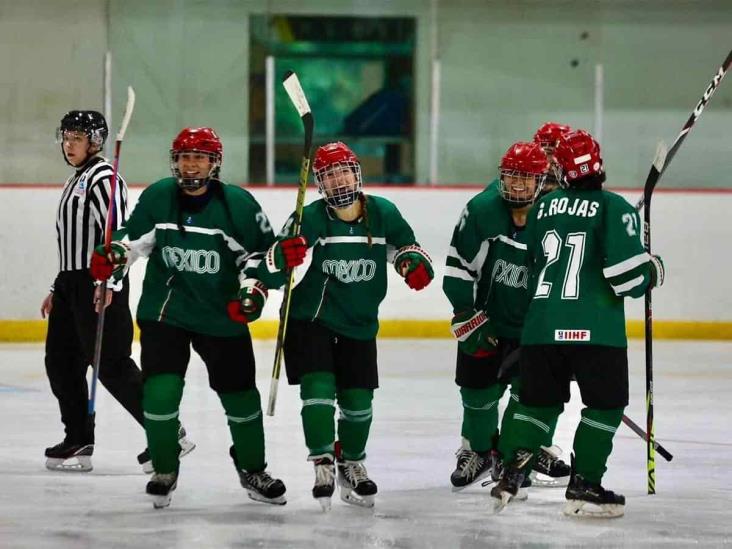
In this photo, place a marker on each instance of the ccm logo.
(571, 335)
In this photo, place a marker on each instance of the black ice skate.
(161, 487)
(512, 483)
(590, 499)
(548, 470)
(186, 447)
(324, 480)
(67, 456)
(260, 486)
(355, 485)
(471, 467)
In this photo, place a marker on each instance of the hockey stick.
(297, 96)
(638, 431)
(512, 359)
(656, 173)
(111, 212)
(660, 162)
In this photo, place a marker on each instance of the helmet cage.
(519, 199)
(339, 190)
(96, 137)
(194, 183)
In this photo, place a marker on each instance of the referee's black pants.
(70, 351)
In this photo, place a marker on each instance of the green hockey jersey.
(343, 279)
(486, 263)
(584, 255)
(197, 256)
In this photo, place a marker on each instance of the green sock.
(480, 415)
(593, 441)
(513, 400)
(526, 428)
(317, 391)
(161, 396)
(244, 415)
(354, 421)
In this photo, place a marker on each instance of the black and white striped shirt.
(82, 213)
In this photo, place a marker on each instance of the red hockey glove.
(286, 254)
(475, 333)
(413, 263)
(103, 265)
(249, 303)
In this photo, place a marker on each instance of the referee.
(72, 319)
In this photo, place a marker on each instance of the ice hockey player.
(585, 256)
(486, 282)
(548, 136)
(330, 347)
(203, 238)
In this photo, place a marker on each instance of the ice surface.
(411, 454)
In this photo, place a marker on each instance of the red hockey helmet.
(548, 135)
(200, 140)
(337, 173)
(522, 172)
(577, 156)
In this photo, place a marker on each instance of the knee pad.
(161, 393)
(242, 406)
(482, 399)
(355, 404)
(318, 385)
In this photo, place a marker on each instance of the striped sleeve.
(100, 190)
(465, 257)
(627, 266)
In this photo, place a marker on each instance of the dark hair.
(590, 183)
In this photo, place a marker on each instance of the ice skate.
(161, 487)
(512, 483)
(549, 471)
(70, 457)
(324, 480)
(186, 447)
(355, 486)
(590, 499)
(260, 486)
(471, 467)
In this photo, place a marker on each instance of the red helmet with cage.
(578, 156)
(548, 135)
(198, 140)
(522, 172)
(337, 172)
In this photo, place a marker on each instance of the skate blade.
(501, 502)
(541, 480)
(578, 508)
(325, 504)
(161, 502)
(76, 464)
(256, 496)
(348, 496)
(477, 479)
(186, 447)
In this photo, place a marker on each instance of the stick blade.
(128, 113)
(659, 160)
(294, 91)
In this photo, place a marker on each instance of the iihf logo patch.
(571, 335)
